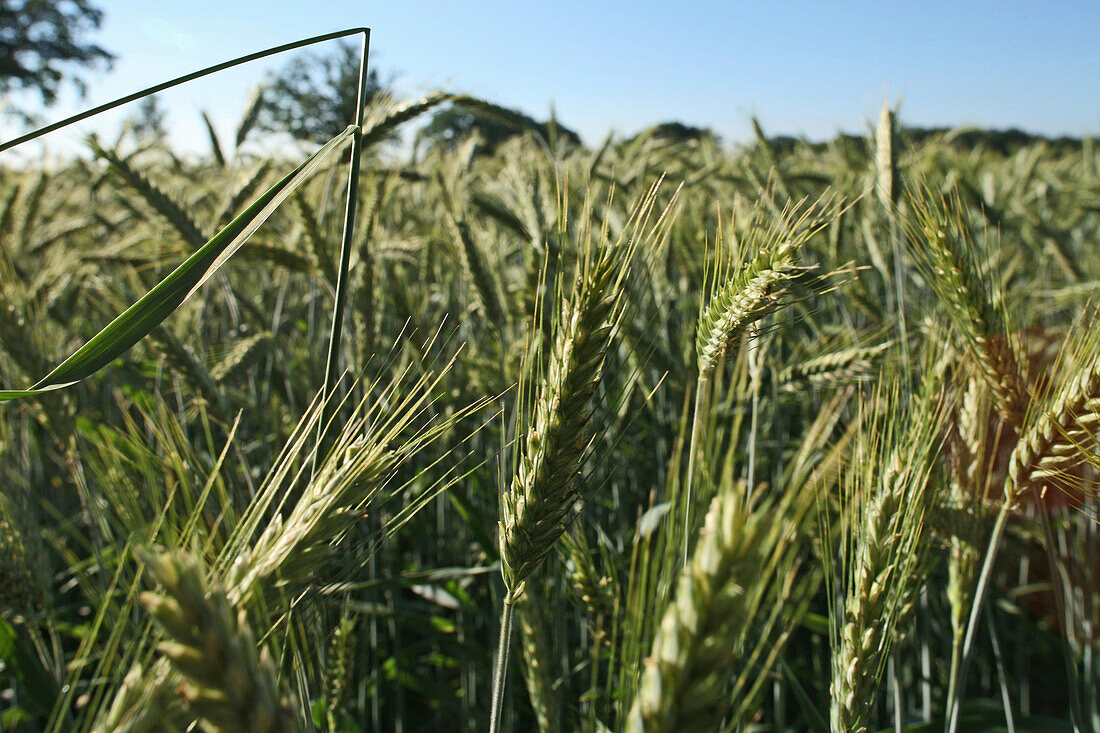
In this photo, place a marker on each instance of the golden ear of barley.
(1057, 440)
(886, 166)
(229, 682)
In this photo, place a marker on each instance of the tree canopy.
(313, 96)
(42, 40)
(466, 116)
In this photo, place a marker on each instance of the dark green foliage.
(313, 97)
(41, 40)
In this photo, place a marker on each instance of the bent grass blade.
(154, 307)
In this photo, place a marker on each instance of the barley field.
(657, 435)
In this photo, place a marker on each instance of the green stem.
(995, 537)
(956, 660)
(500, 673)
(702, 385)
(1002, 680)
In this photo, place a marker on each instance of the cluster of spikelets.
(728, 618)
(545, 488)
(885, 500)
(1058, 439)
(228, 682)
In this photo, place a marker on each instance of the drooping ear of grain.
(960, 276)
(1058, 440)
(762, 272)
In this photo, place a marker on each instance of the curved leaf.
(142, 317)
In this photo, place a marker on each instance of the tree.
(313, 97)
(676, 132)
(495, 125)
(40, 40)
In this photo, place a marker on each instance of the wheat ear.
(227, 683)
(950, 260)
(742, 289)
(881, 554)
(545, 488)
(1057, 440)
(732, 610)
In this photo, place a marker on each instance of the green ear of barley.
(881, 551)
(839, 367)
(145, 703)
(473, 262)
(949, 259)
(886, 165)
(209, 643)
(160, 202)
(241, 354)
(734, 605)
(215, 144)
(756, 289)
(537, 657)
(250, 117)
(339, 668)
(243, 192)
(544, 490)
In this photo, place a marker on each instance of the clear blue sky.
(807, 67)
